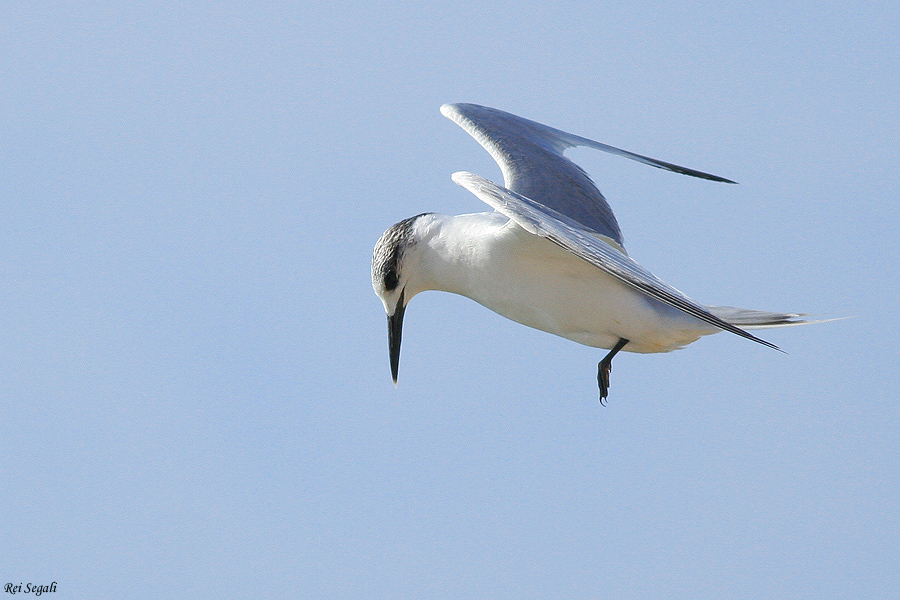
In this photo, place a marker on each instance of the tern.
(550, 255)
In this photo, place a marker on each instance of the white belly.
(536, 283)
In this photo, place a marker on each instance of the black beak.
(395, 330)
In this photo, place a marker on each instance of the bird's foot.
(603, 370)
(604, 367)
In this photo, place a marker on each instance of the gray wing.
(531, 158)
(540, 220)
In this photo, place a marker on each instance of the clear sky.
(196, 396)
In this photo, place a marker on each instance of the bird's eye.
(391, 281)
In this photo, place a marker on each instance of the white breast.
(534, 282)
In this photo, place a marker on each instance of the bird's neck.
(453, 250)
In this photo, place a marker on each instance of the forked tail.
(746, 318)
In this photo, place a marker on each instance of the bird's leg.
(605, 366)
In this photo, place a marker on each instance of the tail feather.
(746, 318)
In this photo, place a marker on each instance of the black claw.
(603, 370)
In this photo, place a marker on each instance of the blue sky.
(196, 397)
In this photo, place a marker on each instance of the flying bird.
(550, 255)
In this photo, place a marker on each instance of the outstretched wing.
(546, 222)
(531, 158)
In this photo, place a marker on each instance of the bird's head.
(394, 266)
